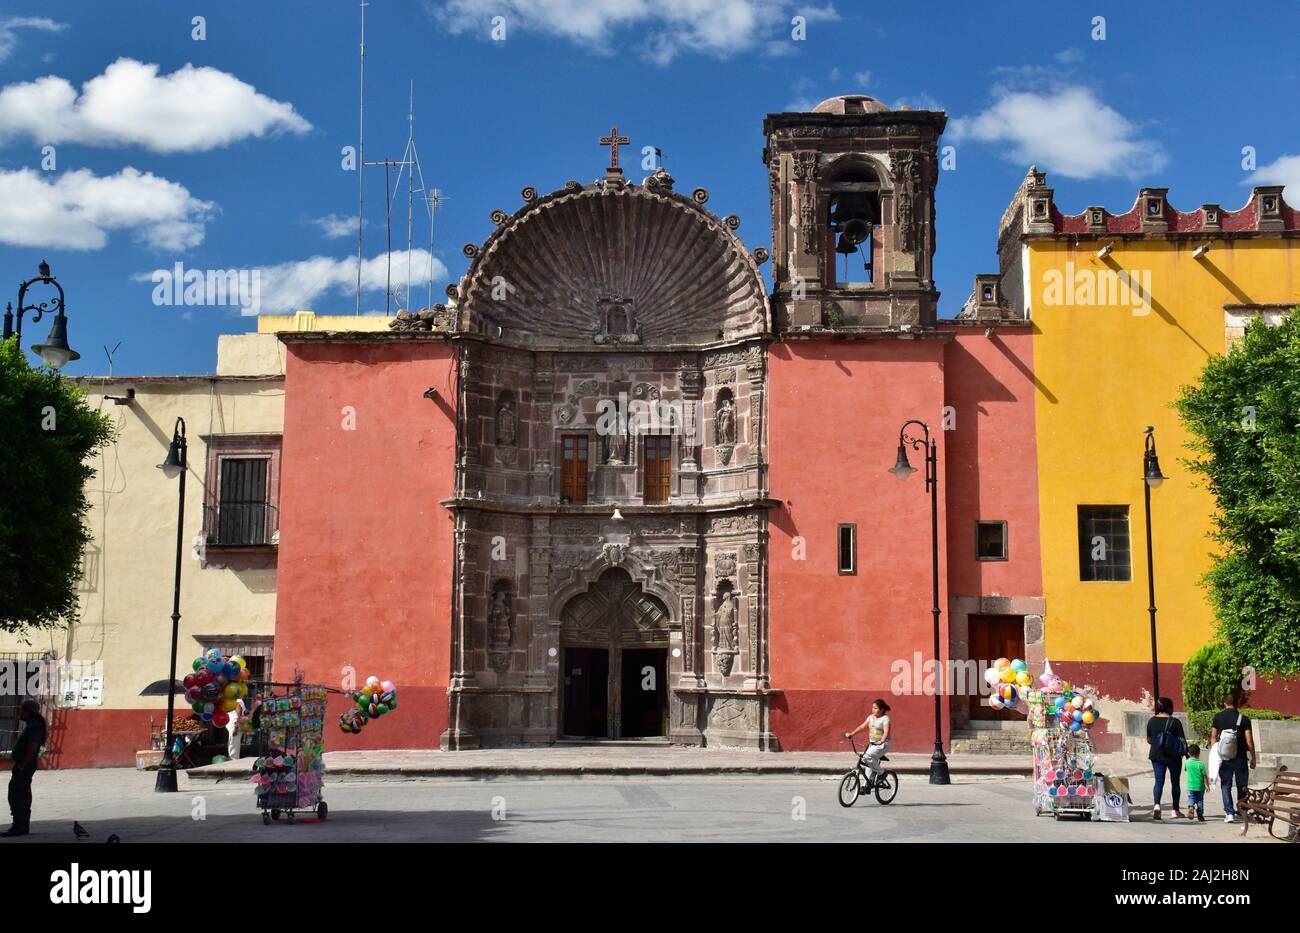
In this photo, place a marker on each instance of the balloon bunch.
(216, 686)
(372, 701)
(1010, 681)
(1074, 711)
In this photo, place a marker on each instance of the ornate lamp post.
(173, 465)
(55, 350)
(1151, 478)
(902, 469)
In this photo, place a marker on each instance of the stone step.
(989, 743)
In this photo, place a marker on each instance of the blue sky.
(234, 161)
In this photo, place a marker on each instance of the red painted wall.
(836, 407)
(95, 738)
(365, 561)
(992, 466)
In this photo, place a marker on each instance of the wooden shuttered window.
(573, 468)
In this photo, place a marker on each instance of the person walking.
(25, 753)
(1234, 743)
(234, 734)
(1195, 774)
(1168, 748)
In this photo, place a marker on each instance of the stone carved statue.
(507, 424)
(500, 628)
(724, 429)
(726, 632)
(616, 448)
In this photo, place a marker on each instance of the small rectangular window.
(848, 546)
(1104, 552)
(990, 540)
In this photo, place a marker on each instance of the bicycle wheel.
(887, 786)
(849, 789)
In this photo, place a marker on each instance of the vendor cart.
(1065, 783)
(289, 774)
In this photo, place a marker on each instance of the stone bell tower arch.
(853, 180)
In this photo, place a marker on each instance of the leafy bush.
(1241, 415)
(1209, 675)
(1201, 720)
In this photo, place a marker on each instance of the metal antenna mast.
(361, 155)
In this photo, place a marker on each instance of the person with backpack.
(1234, 744)
(1168, 749)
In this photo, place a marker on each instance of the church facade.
(618, 488)
(628, 493)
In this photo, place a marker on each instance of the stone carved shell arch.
(643, 573)
(683, 271)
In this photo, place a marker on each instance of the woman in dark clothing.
(1168, 749)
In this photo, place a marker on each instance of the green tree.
(47, 434)
(1244, 416)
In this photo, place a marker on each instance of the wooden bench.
(1279, 802)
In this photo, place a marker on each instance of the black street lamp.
(173, 465)
(55, 350)
(1151, 478)
(902, 469)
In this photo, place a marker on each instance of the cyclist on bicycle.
(880, 733)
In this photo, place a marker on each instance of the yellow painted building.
(1126, 309)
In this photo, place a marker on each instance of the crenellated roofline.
(1033, 213)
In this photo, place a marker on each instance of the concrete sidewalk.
(629, 761)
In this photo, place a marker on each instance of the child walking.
(1194, 771)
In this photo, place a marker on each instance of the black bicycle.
(859, 782)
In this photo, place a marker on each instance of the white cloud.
(334, 226)
(9, 41)
(1285, 170)
(78, 210)
(1069, 56)
(669, 28)
(863, 78)
(189, 110)
(1069, 130)
(293, 286)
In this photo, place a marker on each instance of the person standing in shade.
(25, 752)
(1168, 748)
(1234, 742)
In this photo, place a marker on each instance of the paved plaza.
(600, 808)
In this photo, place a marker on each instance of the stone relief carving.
(618, 323)
(646, 391)
(586, 387)
(722, 524)
(906, 176)
(733, 713)
(500, 626)
(724, 565)
(612, 554)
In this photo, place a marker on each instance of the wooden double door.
(614, 642)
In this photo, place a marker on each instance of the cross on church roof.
(613, 140)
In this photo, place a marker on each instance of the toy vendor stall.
(1060, 719)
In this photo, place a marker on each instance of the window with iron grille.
(1104, 548)
(242, 491)
(9, 703)
(241, 507)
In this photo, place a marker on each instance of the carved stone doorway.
(614, 640)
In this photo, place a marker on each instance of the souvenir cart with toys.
(289, 777)
(1059, 720)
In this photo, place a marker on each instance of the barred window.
(1104, 548)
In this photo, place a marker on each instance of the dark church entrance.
(615, 662)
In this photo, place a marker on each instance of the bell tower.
(852, 187)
